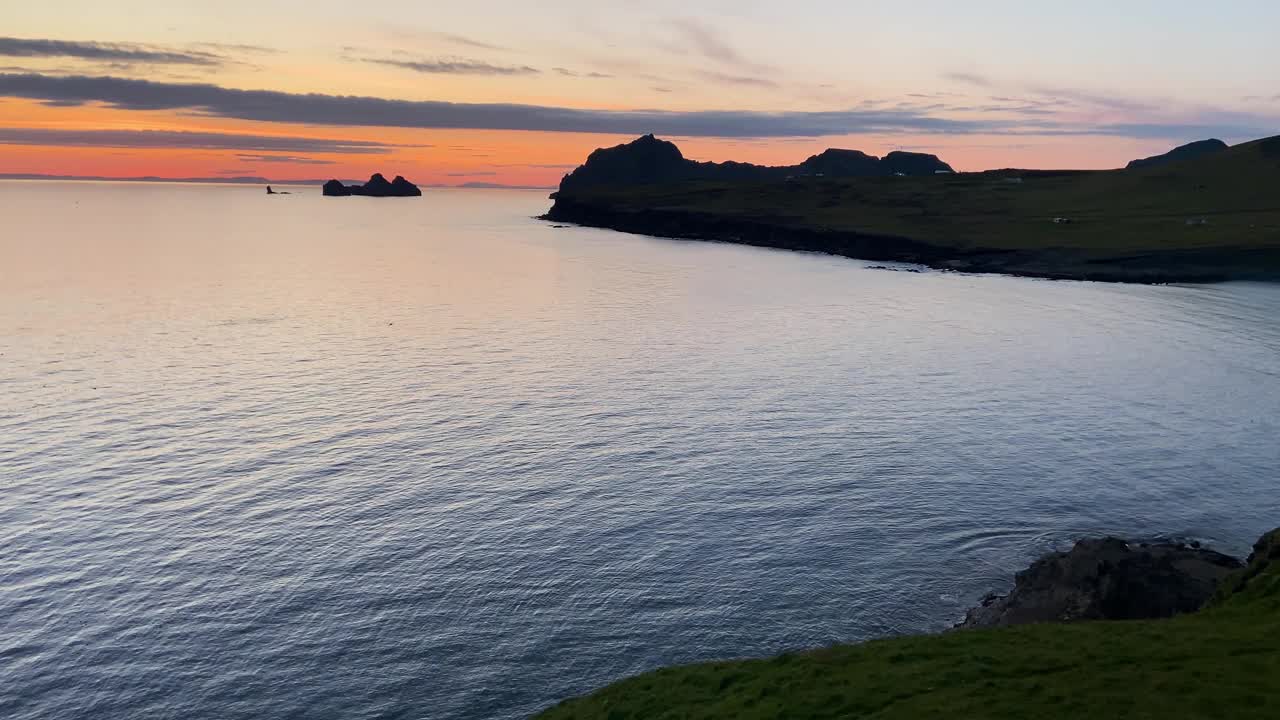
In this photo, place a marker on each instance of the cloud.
(730, 79)
(354, 111)
(465, 41)
(1110, 102)
(290, 159)
(704, 40)
(454, 66)
(116, 52)
(239, 48)
(570, 73)
(969, 79)
(1059, 96)
(151, 139)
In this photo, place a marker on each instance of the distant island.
(1204, 212)
(376, 187)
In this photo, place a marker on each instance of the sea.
(353, 458)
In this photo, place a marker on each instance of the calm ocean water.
(296, 457)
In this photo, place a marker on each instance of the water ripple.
(436, 460)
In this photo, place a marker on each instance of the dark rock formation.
(333, 188)
(1108, 579)
(376, 187)
(1265, 555)
(649, 160)
(839, 163)
(1184, 152)
(909, 163)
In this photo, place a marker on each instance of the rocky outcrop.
(1184, 152)
(1108, 579)
(648, 160)
(376, 187)
(1258, 576)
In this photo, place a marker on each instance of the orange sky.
(450, 157)
(1074, 93)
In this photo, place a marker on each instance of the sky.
(518, 93)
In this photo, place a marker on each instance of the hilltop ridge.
(1208, 217)
(649, 160)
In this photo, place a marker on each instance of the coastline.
(1110, 628)
(1193, 266)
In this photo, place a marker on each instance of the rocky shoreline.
(1154, 268)
(1108, 579)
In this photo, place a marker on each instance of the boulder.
(1108, 579)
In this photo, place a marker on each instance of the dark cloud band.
(343, 110)
(110, 52)
(154, 139)
(454, 67)
(355, 111)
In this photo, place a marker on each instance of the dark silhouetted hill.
(1196, 149)
(648, 161)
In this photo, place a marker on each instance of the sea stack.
(376, 187)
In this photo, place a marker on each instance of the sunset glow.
(530, 92)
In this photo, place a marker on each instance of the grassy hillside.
(1223, 662)
(1115, 214)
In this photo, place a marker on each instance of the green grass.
(1223, 662)
(1116, 213)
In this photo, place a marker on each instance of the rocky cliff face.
(376, 187)
(1108, 579)
(648, 160)
(1184, 152)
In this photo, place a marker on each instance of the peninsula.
(1202, 213)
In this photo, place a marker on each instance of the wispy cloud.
(104, 51)
(318, 109)
(287, 159)
(705, 40)
(1044, 95)
(1094, 99)
(453, 66)
(571, 73)
(465, 41)
(969, 78)
(150, 139)
(239, 48)
(731, 79)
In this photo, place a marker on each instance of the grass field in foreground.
(1223, 662)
